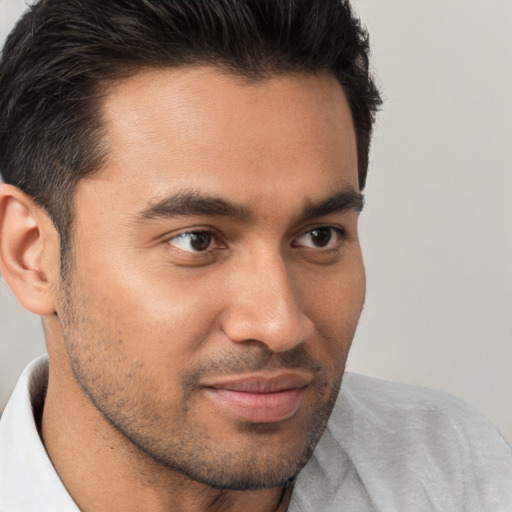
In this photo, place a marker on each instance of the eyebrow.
(190, 203)
(342, 200)
(193, 203)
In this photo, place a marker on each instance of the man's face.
(216, 278)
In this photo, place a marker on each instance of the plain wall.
(437, 229)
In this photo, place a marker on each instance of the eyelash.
(339, 233)
(208, 232)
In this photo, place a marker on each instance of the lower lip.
(258, 407)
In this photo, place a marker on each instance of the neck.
(102, 470)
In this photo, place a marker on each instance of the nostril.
(267, 308)
(280, 331)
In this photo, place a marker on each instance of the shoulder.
(409, 410)
(415, 420)
(364, 392)
(400, 445)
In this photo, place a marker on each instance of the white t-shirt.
(387, 447)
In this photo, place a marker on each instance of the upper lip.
(263, 383)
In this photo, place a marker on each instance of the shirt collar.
(28, 480)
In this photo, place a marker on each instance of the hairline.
(103, 89)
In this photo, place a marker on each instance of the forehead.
(190, 128)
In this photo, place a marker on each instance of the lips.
(260, 398)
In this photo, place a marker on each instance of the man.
(182, 188)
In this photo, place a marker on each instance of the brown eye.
(320, 238)
(193, 241)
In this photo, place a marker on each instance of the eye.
(192, 241)
(320, 238)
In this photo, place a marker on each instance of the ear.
(29, 251)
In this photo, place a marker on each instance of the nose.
(264, 306)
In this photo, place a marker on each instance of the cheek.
(155, 323)
(334, 305)
(336, 294)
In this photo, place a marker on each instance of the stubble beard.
(181, 447)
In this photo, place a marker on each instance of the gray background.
(437, 231)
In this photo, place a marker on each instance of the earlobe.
(29, 251)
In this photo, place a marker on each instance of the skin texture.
(162, 302)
